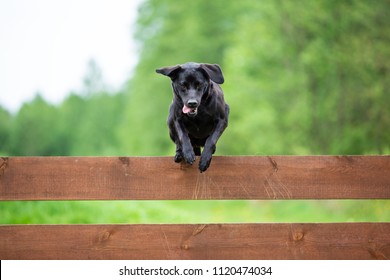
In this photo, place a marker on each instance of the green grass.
(77, 212)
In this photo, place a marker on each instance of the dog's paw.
(178, 157)
(189, 157)
(204, 163)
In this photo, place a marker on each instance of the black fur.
(198, 114)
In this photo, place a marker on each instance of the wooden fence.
(159, 178)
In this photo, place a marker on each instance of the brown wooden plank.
(212, 241)
(159, 178)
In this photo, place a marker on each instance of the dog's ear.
(169, 71)
(214, 72)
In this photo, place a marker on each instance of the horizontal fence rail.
(210, 241)
(159, 178)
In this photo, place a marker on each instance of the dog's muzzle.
(191, 108)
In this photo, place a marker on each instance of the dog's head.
(191, 82)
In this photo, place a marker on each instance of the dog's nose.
(192, 103)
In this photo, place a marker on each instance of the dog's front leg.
(185, 143)
(210, 145)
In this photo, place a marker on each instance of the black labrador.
(198, 114)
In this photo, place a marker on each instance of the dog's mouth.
(190, 111)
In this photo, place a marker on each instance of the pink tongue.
(186, 110)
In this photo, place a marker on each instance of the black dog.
(198, 114)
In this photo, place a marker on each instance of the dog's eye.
(183, 86)
(198, 86)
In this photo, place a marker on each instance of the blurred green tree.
(93, 132)
(310, 78)
(34, 130)
(169, 32)
(5, 126)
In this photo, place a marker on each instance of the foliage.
(301, 79)
(169, 36)
(33, 130)
(297, 81)
(135, 212)
(311, 78)
(311, 72)
(5, 127)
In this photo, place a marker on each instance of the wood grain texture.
(159, 178)
(212, 241)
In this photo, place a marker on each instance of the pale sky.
(45, 46)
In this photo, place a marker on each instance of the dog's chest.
(199, 127)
